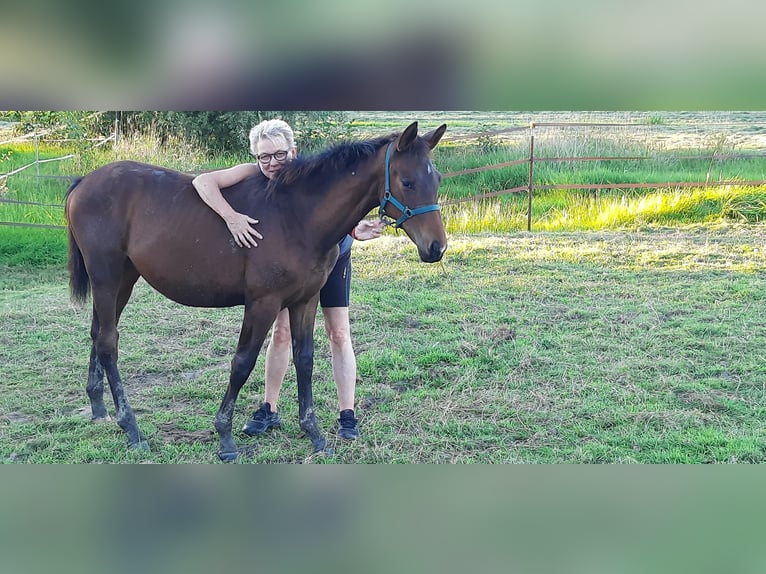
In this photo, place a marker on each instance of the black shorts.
(335, 292)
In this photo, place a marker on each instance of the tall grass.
(25, 247)
(657, 161)
(663, 207)
(567, 210)
(483, 216)
(171, 152)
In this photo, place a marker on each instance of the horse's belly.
(195, 294)
(192, 281)
(291, 280)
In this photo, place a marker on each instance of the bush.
(212, 132)
(227, 132)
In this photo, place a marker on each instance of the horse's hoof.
(228, 456)
(320, 444)
(100, 419)
(98, 412)
(140, 445)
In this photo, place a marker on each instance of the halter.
(407, 213)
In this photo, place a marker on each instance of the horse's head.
(410, 195)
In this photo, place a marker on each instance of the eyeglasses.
(265, 158)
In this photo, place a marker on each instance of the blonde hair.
(274, 131)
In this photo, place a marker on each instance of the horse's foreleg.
(302, 328)
(258, 319)
(241, 366)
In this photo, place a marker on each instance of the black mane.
(341, 157)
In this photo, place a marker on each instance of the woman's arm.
(209, 186)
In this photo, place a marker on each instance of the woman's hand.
(241, 228)
(367, 229)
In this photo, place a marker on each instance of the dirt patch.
(85, 412)
(17, 418)
(170, 433)
(503, 333)
(142, 381)
(709, 400)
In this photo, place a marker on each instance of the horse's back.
(123, 180)
(112, 188)
(125, 185)
(153, 217)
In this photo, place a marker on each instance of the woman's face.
(273, 155)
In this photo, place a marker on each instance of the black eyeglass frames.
(265, 158)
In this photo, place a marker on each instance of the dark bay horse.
(128, 219)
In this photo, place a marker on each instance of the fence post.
(37, 156)
(529, 182)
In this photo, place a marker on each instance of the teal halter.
(407, 213)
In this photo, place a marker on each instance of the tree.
(227, 132)
(213, 132)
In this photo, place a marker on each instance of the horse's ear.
(432, 138)
(408, 136)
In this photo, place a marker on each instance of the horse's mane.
(341, 157)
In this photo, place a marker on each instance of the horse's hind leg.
(95, 386)
(110, 294)
(302, 330)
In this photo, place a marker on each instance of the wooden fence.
(530, 187)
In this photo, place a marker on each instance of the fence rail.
(37, 162)
(531, 159)
(22, 224)
(38, 136)
(529, 188)
(665, 185)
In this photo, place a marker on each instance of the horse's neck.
(344, 202)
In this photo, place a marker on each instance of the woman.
(273, 144)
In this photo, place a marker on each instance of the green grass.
(567, 210)
(32, 247)
(599, 347)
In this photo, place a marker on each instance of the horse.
(129, 219)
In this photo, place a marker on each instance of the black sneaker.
(348, 427)
(263, 420)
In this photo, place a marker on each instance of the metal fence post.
(529, 183)
(37, 155)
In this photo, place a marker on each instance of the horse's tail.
(79, 282)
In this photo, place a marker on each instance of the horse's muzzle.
(435, 252)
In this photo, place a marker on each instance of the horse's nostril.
(436, 250)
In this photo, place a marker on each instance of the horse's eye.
(406, 183)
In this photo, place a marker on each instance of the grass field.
(627, 328)
(600, 347)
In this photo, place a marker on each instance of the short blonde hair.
(272, 130)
